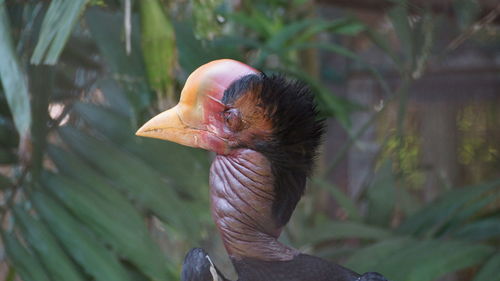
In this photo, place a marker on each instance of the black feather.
(197, 265)
(296, 134)
(301, 268)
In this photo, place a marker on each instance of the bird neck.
(242, 195)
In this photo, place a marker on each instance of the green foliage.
(158, 48)
(408, 259)
(13, 77)
(80, 243)
(57, 25)
(453, 208)
(381, 196)
(406, 153)
(346, 203)
(27, 264)
(47, 248)
(489, 271)
(331, 230)
(128, 70)
(206, 18)
(93, 202)
(123, 229)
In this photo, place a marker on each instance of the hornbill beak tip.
(168, 126)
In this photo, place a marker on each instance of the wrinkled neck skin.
(241, 192)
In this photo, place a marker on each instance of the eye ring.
(232, 119)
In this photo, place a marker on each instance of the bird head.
(200, 119)
(226, 105)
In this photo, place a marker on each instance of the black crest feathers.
(296, 134)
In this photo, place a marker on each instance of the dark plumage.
(296, 134)
(199, 267)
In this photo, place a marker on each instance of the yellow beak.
(168, 125)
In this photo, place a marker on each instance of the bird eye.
(232, 118)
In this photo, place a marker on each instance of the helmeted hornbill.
(265, 132)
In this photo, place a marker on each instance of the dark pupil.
(232, 118)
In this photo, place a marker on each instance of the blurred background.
(407, 183)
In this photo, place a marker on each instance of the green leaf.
(336, 253)
(53, 257)
(347, 26)
(436, 214)
(111, 216)
(382, 42)
(348, 54)
(57, 25)
(74, 167)
(469, 211)
(116, 127)
(192, 53)
(404, 259)
(445, 258)
(190, 173)
(344, 230)
(280, 39)
(79, 242)
(479, 230)
(381, 195)
(116, 99)
(129, 173)
(327, 47)
(490, 270)
(399, 19)
(367, 259)
(24, 261)
(13, 78)
(343, 200)
(69, 164)
(128, 70)
(185, 167)
(158, 48)
(232, 41)
(406, 202)
(204, 15)
(103, 26)
(256, 22)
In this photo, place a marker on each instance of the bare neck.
(241, 192)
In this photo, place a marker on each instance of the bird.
(265, 132)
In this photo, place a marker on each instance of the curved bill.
(168, 125)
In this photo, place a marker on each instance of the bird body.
(265, 131)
